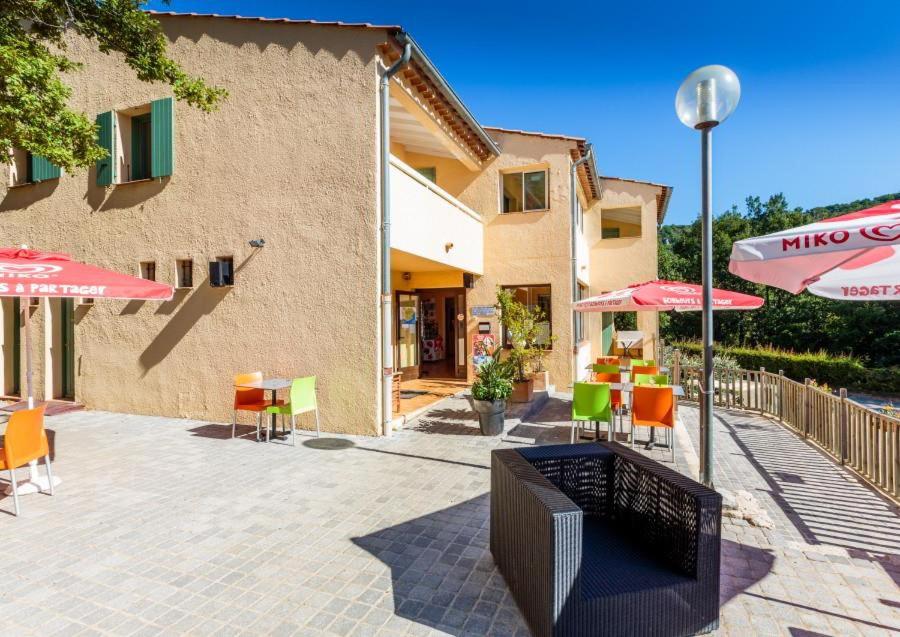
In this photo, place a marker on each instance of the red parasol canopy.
(30, 273)
(853, 257)
(662, 296)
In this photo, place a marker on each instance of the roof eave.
(419, 56)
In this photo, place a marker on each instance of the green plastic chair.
(591, 402)
(637, 362)
(651, 379)
(302, 400)
(605, 369)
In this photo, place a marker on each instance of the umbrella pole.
(29, 365)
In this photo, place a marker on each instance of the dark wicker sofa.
(596, 539)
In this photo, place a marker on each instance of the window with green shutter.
(140, 147)
(40, 169)
(162, 130)
(106, 139)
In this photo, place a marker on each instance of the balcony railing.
(428, 222)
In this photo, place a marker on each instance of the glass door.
(408, 321)
(460, 319)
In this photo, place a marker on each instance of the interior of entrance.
(439, 337)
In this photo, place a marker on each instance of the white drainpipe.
(573, 209)
(387, 347)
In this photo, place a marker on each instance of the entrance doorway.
(443, 333)
(431, 333)
(11, 346)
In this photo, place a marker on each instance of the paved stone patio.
(166, 526)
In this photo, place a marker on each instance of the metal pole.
(706, 387)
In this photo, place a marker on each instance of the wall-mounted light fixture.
(407, 276)
(257, 243)
(448, 246)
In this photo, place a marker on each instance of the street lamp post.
(705, 99)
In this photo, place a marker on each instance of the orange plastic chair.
(616, 394)
(609, 360)
(248, 399)
(25, 440)
(653, 370)
(654, 407)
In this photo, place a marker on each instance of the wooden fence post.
(676, 367)
(760, 394)
(806, 406)
(780, 392)
(842, 435)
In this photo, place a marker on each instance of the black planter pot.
(491, 416)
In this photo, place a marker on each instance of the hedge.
(825, 369)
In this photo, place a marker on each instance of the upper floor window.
(139, 141)
(429, 173)
(25, 168)
(524, 191)
(620, 223)
(610, 233)
(184, 273)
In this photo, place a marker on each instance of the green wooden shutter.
(42, 169)
(140, 147)
(162, 131)
(106, 138)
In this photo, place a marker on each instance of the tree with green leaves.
(34, 110)
(802, 322)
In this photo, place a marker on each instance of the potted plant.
(491, 389)
(522, 326)
(539, 374)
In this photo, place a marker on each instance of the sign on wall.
(483, 310)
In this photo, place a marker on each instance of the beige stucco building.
(293, 157)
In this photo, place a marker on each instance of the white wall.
(425, 219)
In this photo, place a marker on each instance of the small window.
(610, 233)
(184, 273)
(148, 270)
(429, 173)
(524, 191)
(85, 300)
(227, 269)
(34, 301)
(26, 168)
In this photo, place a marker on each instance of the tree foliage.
(34, 111)
(803, 322)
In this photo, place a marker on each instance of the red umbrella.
(853, 257)
(662, 296)
(29, 273)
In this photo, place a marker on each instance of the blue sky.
(819, 117)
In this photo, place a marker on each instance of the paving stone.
(169, 526)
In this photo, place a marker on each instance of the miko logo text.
(28, 271)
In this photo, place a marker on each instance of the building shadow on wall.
(199, 302)
(122, 196)
(19, 198)
(443, 574)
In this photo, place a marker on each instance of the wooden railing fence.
(866, 441)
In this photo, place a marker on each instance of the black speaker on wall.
(468, 280)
